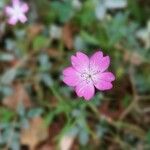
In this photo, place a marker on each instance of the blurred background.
(39, 112)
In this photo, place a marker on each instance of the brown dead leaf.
(136, 59)
(133, 58)
(46, 146)
(34, 134)
(19, 95)
(14, 62)
(67, 35)
(53, 52)
(34, 30)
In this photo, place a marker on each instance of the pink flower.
(86, 74)
(16, 12)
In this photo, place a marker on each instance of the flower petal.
(85, 90)
(9, 10)
(107, 76)
(12, 20)
(103, 85)
(24, 7)
(80, 62)
(96, 58)
(15, 2)
(95, 61)
(98, 63)
(22, 18)
(104, 63)
(71, 76)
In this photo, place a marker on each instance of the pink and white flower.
(16, 12)
(86, 74)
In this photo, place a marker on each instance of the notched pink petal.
(103, 85)
(82, 57)
(96, 58)
(80, 62)
(107, 76)
(15, 2)
(70, 81)
(12, 20)
(24, 7)
(85, 90)
(22, 18)
(70, 76)
(69, 71)
(74, 61)
(98, 63)
(8, 10)
(104, 63)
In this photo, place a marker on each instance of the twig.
(135, 95)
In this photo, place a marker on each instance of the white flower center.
(89, 76)
(17, 11)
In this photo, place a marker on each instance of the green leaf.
(64, 10)
(34, 112)
(89, 38)
(6, 115)
(135, 9)
(126, 100)
(148, 137)
(40, 42)
(9, 76)
(83, 137)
